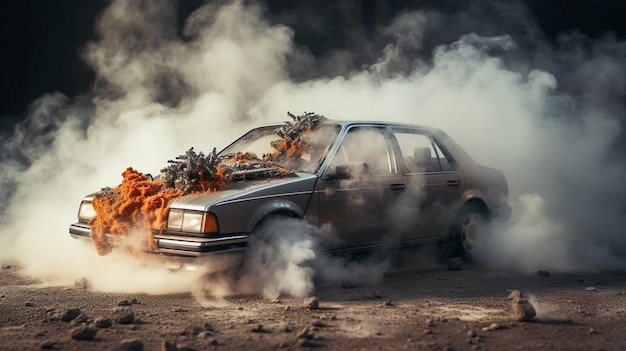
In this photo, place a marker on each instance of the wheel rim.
(471, 231)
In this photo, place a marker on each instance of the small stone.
(388, 304)
(130, 345)
(48, 344)
(591, 331)
(70, 314)
(81, 318)
(123, 303)
(134, 301)
(580, 279)
(492, 326)
(102, 322)
(543, 273)
(455, 264)
(29, 304)
(427, 331)
(523, 310)
(311, 303)
(7, 266)
(471, 333)
(83, 333)
(122, 315)
(590, 288)
(214, 342)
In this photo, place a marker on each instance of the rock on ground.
(523, 310)
(122, 315)
(83, 333)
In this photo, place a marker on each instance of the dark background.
(41, 39)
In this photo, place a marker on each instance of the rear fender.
(475, 196)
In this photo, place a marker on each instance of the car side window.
(368, 145)
(420, 153)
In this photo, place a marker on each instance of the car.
(375, 183)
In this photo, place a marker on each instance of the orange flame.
(138, 202)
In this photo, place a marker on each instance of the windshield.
(259, 142)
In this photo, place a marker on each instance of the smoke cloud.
(549, 115)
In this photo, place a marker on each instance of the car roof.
(348, 123)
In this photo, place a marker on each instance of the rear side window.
(420, 153)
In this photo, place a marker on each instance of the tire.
(467, 231)
(262, 242)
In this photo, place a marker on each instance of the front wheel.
(467, 231)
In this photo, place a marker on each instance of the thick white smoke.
(156, 94)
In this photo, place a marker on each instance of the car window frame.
(436, 145)
(390, 142)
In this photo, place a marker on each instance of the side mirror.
(347, 170)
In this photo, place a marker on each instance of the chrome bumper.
(183, 246)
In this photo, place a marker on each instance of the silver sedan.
(375, 183)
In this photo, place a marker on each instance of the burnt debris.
(303, 123)
(187, 172)
(192, 171)
(292, 142)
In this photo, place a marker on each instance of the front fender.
(279, 205)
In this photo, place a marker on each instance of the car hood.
(245, 190)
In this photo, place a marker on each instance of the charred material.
(246, 166)
(292, 142)
(191, 172)
(303, 123)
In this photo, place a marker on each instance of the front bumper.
(183, 247)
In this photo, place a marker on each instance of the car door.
(363, 180)
(434, 185)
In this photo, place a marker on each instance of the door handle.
(454, 183)
(398, 186)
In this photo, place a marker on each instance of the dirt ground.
(434, 309)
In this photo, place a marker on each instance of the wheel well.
(274, 215)
(475, 204)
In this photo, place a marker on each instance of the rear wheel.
(467, 231)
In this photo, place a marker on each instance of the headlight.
(86, 211)
(192, 222)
